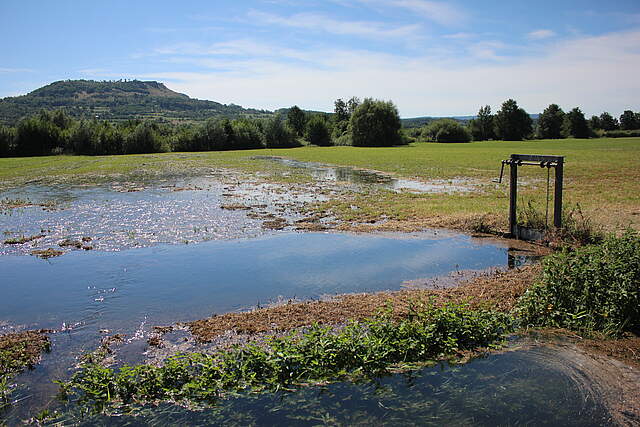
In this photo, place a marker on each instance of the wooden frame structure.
(515, 160)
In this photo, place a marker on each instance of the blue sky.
(429, 57)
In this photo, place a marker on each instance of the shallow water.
(141, 273)
(126, 215)
(345, 174)
(538, 386)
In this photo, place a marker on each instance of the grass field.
(602, 175)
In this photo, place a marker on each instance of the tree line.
(513, 123)
(367, 123)
(354, 122)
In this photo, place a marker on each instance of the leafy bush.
(37, 136)
(317, 131)
(594, 288)
(375, 124)
(246, 135)
(446, 130)
(278, 135)
(144, 139)
(366, 348)
(6, 141)
(621, 133)
(83, 139)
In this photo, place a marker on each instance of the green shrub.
(594, 288)
(621, 133)
(367, 348)
(6, 141)
(278, 135)
(144, 139)
(446, 130)
(317, 131)
(246, 135)
(375, 124)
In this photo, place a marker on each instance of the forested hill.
(117, 100)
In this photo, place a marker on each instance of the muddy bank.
(500, 289)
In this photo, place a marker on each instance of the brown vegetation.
(500, 290)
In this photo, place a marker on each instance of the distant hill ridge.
(130, 99)
(118, 100)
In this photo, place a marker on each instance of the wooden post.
(557, 194)
(513, 196)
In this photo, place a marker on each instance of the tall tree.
(550, 122)
(375, 123)
(482, 125)
(512, 123)
(629, 121)
(608, 122)
(575, 124)
(317, 131)
(341, 110)
(297, 120)
(595, 123)
(352, 104)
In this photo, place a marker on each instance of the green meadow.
(602, 176)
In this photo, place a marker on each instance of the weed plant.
(593, 288)
(361, 349)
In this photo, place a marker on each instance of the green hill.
(118, 100)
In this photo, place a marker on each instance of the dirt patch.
(235, 207)
(21, 350)
(501, 290)
(275, 224)
(22, 240)
(46, 253)
(69, 243)
(488, 224)
(625, 349)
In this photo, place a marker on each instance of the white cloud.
(541, 34)
(319, 22)
(595, 73)
(441, 12)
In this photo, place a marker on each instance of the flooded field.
(137, 255)
(345, 174)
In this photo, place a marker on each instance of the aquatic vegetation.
(17, 352)
(46, 253)
(23, 239)
(368, 348)
(593, 288)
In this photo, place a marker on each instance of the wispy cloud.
(440, 12)
(459, 36)
(423, 85)
(541, 34)
(324, 23)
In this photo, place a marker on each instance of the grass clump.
(17, 352)
(594, 288)
(361, 349)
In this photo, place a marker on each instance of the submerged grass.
(368, 348)
(19, 351)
